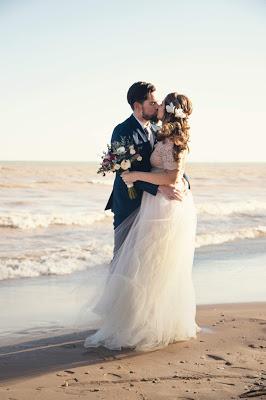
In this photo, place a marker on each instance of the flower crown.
(178, 112)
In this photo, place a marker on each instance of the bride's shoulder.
(164, 142)
(167, 143)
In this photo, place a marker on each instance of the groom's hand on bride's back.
(171, 192)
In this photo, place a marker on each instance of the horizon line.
(98, 162)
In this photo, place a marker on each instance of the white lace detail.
(162, 157)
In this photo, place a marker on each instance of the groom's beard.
(152, 118)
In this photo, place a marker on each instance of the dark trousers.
(122, 230)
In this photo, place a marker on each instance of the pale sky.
(66, 66)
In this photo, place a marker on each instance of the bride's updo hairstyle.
(175, 125)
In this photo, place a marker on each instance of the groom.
(138, 129)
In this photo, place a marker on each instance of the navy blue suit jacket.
(119, 202)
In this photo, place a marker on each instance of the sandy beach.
(82, 82)
(55, 247)
(226, 361)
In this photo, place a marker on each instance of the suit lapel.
(155, 129)
(142, 135)
(138, 133)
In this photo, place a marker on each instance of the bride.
(149, 300)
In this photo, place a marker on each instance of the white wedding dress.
(149, 299)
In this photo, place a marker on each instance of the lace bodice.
(162, 157)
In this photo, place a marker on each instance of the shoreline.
(226, 359)
(216, 274)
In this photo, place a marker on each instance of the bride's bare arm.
(167, 177)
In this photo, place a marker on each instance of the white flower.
(170, 108)
(180, 113)
(125, 164)
(139, 158)
(132, 151)
(117, 166)
(121, 150)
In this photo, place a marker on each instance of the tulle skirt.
(149, 300)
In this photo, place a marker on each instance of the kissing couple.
(148, 300)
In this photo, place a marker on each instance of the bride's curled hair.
(175, 125)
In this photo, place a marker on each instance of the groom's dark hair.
(139, 92)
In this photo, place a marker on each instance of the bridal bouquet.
(118, 158)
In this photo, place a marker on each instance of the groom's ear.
(134, 105)
(137, 106)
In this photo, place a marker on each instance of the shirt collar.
(146, 125)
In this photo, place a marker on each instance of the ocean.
(55, 237)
